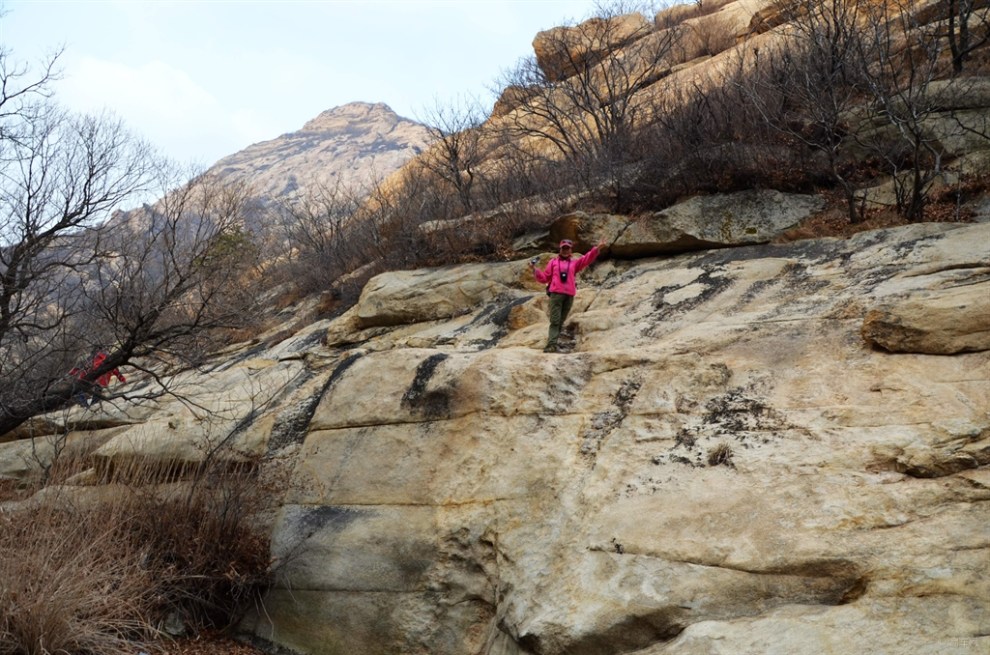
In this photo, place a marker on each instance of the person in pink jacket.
(561, 276)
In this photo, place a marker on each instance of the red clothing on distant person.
(97, 360)
(104, 379)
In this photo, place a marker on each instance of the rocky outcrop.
(941, 322)
(564, 51)
(346, 145)
(402, 297)
(718, 220)
(719, 462)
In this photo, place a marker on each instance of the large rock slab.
(746, 217)
(722, 464)
(232, 417)
(938, 323)
(400, 297)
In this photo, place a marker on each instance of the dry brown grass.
(97, 570)
(721, 454)
(67, 584)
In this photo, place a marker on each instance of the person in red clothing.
(561, 276)
(95, 387)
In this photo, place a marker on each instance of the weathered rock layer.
(756, 449)
(721, 464)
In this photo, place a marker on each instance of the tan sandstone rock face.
(559, 50)
(940, 323)
(721, 464)
(735, 219)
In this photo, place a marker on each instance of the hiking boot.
(550, 349)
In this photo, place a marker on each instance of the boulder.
(719, 464)
(564, 51)
(746, 217)
(401, 297)
(942, 322)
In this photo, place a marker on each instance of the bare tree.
(583, 103)
(458, 147)
(806, 87)
(962, 16)
(174, 276)
(71, 275)
(902, 61)
(314, 230)
(21, 94)
(59, 177)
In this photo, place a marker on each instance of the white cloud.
(203, 80)
(162, 104)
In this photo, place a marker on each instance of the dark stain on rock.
(754, 291)
(428, 403)
(713, 284)
(827, 582)
(292, 424)
(737, 415)
(603, 423)
(631, 633)
(496, 314)
(302, 522)
(734, 412)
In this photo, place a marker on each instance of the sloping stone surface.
(721, 463)
(456, 495)
(400, 297)
(733, 219)
(942, 322)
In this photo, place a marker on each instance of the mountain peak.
(345, 145)
(351, 113)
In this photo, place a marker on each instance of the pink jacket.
(570, 266)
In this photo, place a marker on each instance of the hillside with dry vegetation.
(767, 424)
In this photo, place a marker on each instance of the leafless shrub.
(460, 145)
(312, 233)
(707, 138)
(904, 59)
(588, 118)
(720, 454)
(806, 87)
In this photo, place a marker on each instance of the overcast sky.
(202, 80)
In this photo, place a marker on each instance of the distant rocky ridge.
(352, 145)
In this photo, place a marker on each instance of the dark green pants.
(560, 306)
